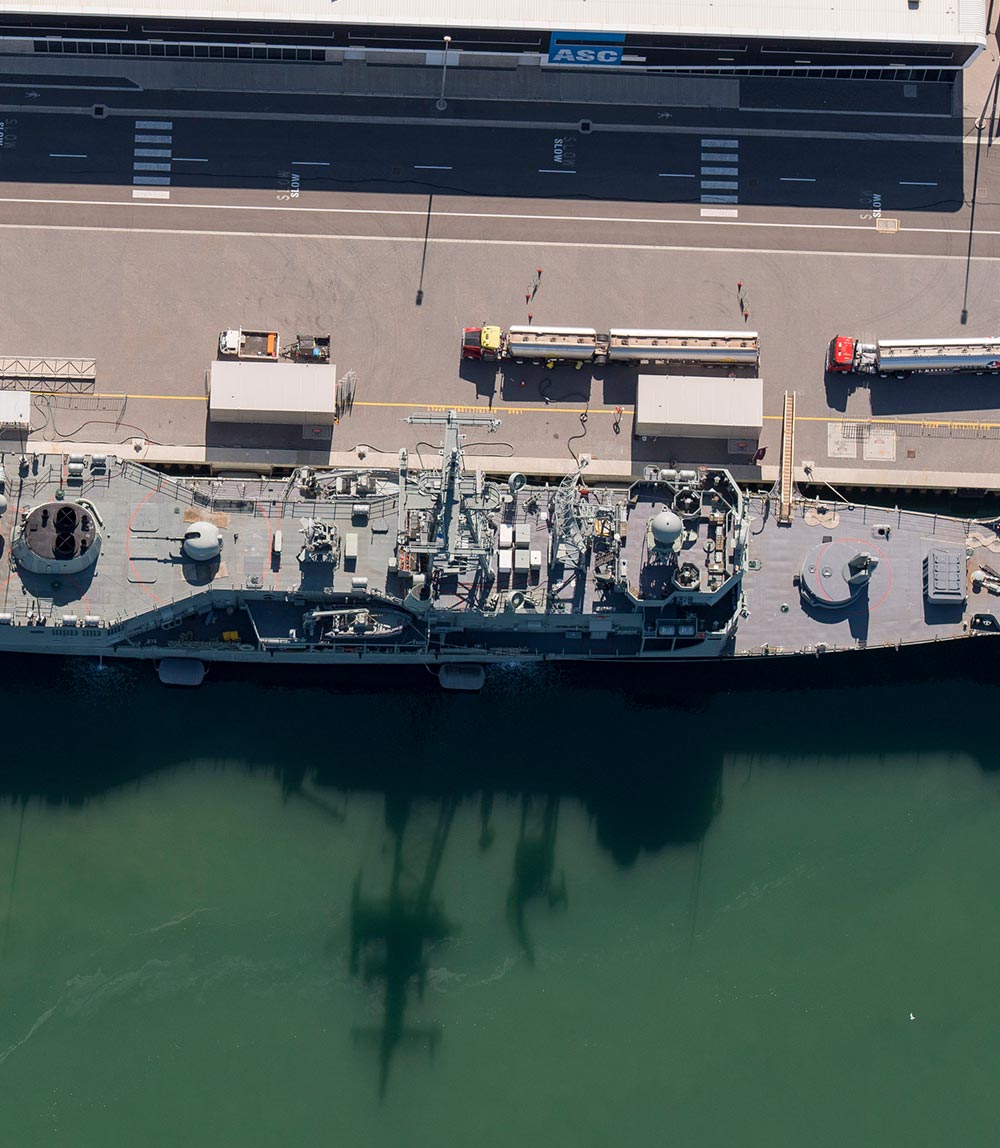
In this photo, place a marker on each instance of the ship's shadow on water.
(641, 749)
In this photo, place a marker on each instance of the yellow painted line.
(416, 405)
(119, 395)
(932, 424)
(532, 410)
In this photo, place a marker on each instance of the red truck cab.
(840, 357)
(481, 343)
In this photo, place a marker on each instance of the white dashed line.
(186, 159)
(142, 137)
(161, 179)
(796, 179)
(66, 155)
(155, 125)
(720, 143)
(719, 212)
(310, 163)
(720, 171)
(708, 198)
(148, 193)
(675, 175)
(556, 171)
(709, 156)
(915, 183)
(152, 152)
(430, 167)
(721, 184)
(139, 165)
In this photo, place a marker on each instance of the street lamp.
(441, 102)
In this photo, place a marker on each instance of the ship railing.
(154, 480)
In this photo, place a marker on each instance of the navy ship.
(447, 567)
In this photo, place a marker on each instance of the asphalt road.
(393, 227)
(799, 161)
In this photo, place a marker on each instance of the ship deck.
(891, 611)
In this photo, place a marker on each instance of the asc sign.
(601, 48)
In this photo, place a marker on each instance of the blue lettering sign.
(600, 48)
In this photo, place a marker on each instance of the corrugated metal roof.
(930, 21)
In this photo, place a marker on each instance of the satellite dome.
(202, 541)
(667, 528)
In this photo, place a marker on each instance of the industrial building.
(899, 39)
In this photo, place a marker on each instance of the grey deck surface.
(892, 611)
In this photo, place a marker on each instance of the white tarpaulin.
(15, 409)
(685, 406)
(288, 393)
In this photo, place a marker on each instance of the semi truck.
(900, 357)
(619, 345)
(240, 344)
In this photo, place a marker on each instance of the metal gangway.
(59, 374)
(786, 476)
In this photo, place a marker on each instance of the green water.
(696, 923)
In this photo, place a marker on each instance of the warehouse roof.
(952, 21)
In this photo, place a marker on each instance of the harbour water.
(577, 909)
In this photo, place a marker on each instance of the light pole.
(441, 102)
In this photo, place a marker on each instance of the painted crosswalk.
(146, 160)
(720, 175)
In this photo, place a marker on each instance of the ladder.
(786, 476)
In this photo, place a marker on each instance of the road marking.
(141, 137)
(151, 179)
(915, 183)
(517, 217)
(715, 156)
(148, 193)
(310, 163)
(796, 179)
(155, 125)
(430, 167)
(556, 171)
(675, 175)
(533, 409)
(720, 212)
(139, 165)
(312, 237)
(66, 155)
(710, 187)
(152, 152)
(187, 159)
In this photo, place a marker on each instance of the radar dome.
(666, 527)
(202, 541)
